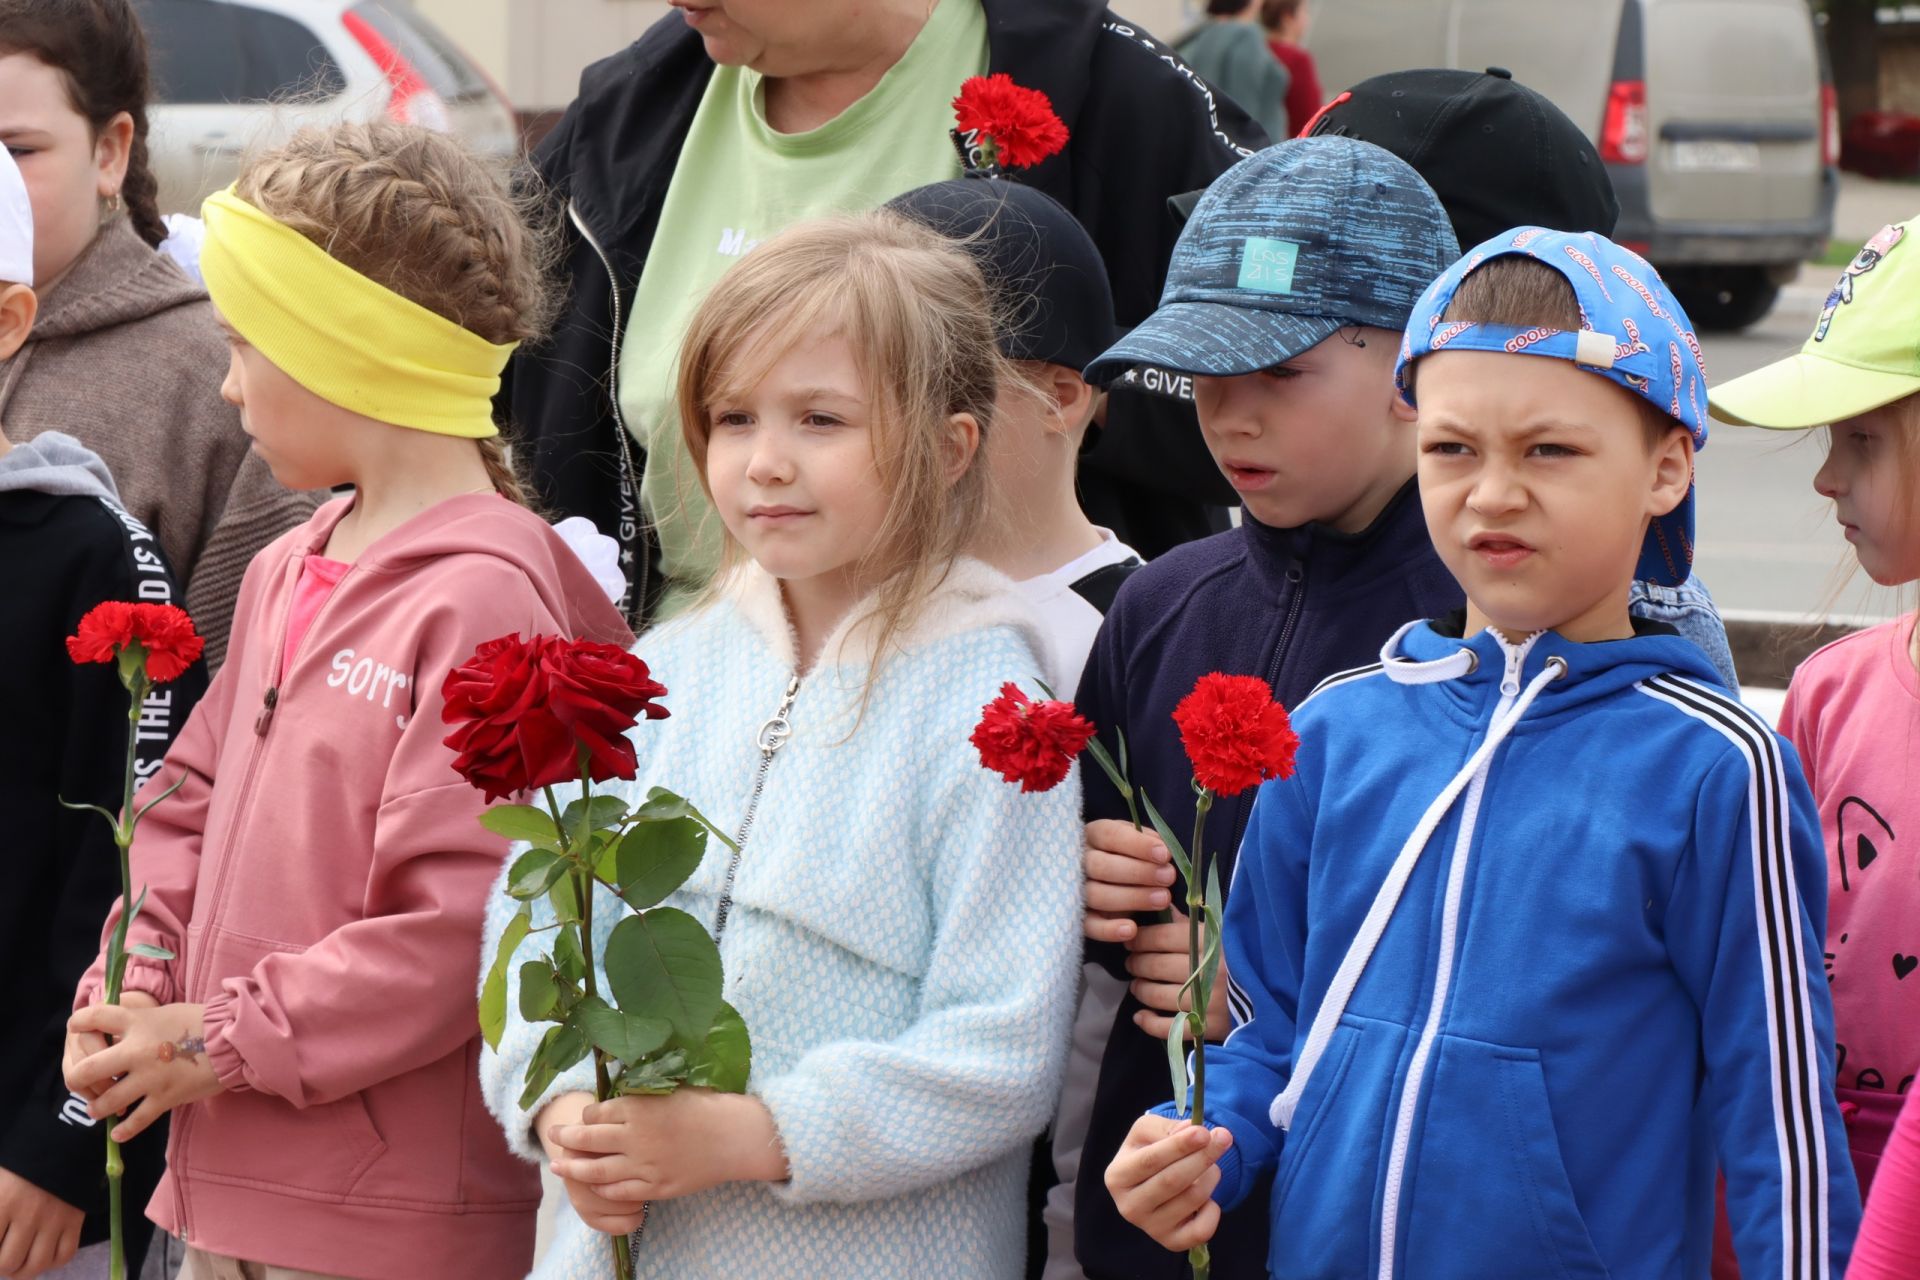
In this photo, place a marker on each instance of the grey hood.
(52, 462)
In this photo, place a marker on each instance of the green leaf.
(725, 1061)
(112, 820)
(493, 992)
(586, 816)
(567, 956)
(1174, 847)
(1216, 900)
(565, 897)
(662, 805)
(138, 903)
(141, 812)
(656, 858)
(561, 1048)
(538, 992)
(150, 951)
(622, 1035)
(1121, 739)
(663, 965)
(533, 873)
(663, 1074)
(1177, 1064)
(1115, 774)
(520, 822)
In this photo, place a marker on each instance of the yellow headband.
(347, 339)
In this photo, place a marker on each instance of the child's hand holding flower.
(157, 1061)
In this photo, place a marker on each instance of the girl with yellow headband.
(320, 874)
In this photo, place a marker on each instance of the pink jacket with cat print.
(325, 902)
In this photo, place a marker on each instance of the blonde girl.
(898, 932)
(319, 875)
(1853, 709)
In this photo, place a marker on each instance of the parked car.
(231, 75)
(1716, 118)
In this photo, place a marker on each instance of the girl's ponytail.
(502, 473)
(141, 190)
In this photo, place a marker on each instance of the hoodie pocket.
(1326, 1184)
(245, 1136)
(1487, 1192)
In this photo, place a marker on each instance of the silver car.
(1716, 118)
(230, 75)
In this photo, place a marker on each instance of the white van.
(1716, 118)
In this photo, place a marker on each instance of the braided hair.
(417, 212)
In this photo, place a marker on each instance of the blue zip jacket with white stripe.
(1530, 943)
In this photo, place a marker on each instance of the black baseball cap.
(1498, 154)
(1049, 280)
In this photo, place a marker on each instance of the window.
(436, 59)
(207, 51)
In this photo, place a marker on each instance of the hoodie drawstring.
(1345, 979)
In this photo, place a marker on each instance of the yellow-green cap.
(1864, 352)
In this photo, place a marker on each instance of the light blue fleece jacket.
(903, 944)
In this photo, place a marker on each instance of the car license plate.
(1714, 157)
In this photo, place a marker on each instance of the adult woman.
(732, 119)
(125, 354)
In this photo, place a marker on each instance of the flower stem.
(583, 884)
(1196, 918)
(117, 968)
(1199, 1259)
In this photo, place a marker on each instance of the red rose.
(1031, 743)
(596, 692)
(163, 634)
(1234, 733)
(522, 710)
(1018, 122)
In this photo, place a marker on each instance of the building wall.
(537, 48)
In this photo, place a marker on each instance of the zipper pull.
(774, 733)
(265, 717)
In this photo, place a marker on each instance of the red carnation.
(1017, 125)
(1235, 734)
(523, 709)
(162, 634)
(1031, 743)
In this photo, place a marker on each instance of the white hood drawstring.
(1354, 964)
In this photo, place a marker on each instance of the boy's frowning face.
(1313, 439)
(1538, 485)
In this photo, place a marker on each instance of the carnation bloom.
(1018, 122)
(1031, 743)
(163, 633)
(1234, 733)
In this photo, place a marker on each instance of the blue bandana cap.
(1632, 332)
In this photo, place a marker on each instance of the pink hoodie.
(325, 901)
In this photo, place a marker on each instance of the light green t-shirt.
(739, 182)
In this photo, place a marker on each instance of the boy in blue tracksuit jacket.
(1532, 939)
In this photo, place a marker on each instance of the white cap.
(16, 224)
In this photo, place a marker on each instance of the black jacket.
(61, 553)
(1143, 128)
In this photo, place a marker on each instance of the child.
(1500, 155)
(1286, 298)
(900, 934)
(1527, 941)
(1889, 1244)
(1850, 710)
(66, 545)
(321, 874)
(1055, 315)
(125, 355)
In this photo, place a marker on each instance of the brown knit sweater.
(126, 357)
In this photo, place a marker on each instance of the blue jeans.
(1689, 609)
